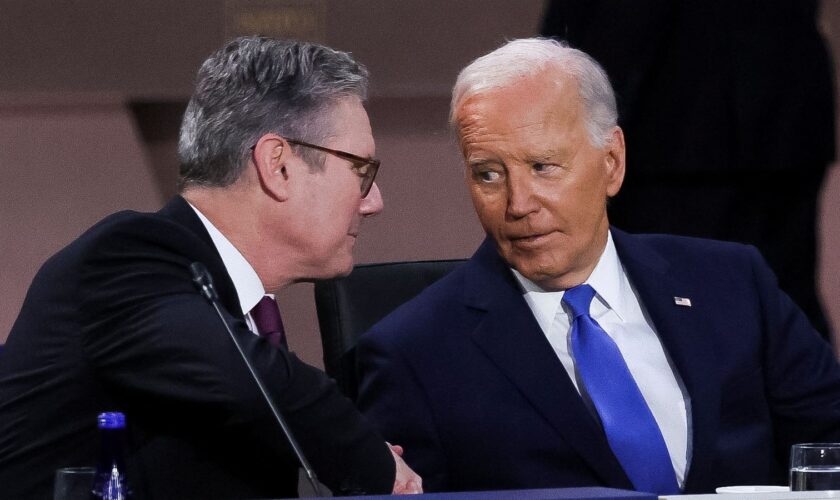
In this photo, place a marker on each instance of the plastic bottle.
(110, 481)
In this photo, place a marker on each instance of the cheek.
(338, 219)
(344, 203)
(329, 220)
(489, 208)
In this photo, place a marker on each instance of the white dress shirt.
(617, 309)
(248, 286)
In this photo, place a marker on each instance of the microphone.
(204, 282)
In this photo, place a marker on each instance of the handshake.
(407, 482)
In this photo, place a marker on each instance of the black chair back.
(348, 307)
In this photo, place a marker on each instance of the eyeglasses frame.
(358, 162)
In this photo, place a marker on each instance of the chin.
(344, 272)
(539, 273)
(338, 268)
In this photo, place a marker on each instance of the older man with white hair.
(566, 352)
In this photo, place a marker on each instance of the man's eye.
(488, 175)
(543, 167)
(362, 170)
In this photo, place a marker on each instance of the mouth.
(529, 240)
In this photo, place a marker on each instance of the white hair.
(529, 56)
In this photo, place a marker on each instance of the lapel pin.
(682, 301)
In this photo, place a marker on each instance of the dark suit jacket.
(463, 377)
(114, 322)
(711, 86)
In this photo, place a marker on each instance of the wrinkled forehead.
(549, 97)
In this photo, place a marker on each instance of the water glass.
(815, 467)
(73, 483)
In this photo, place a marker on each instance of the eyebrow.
(479, 162)
(544, 157)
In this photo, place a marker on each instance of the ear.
(271, 158)
(614, 159)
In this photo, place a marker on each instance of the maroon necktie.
(266, 316)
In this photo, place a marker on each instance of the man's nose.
(521, 199)
(372, 204)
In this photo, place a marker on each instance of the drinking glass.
(73, 483)
(815, 466)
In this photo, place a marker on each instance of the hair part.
(528, 57)
(256, 85)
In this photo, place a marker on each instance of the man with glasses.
(277, 175)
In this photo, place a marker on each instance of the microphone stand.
(204, 282)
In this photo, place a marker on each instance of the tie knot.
(578, 299)
(266, 315)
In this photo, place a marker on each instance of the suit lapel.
(684, 334)
(511, 337)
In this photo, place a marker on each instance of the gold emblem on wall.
(299, 20)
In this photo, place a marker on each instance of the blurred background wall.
(91, 96)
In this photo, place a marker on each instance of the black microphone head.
(203, 280)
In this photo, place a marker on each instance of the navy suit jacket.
(464, 378)
(114, 322)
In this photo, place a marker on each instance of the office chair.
(348, 307)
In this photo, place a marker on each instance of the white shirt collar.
(606, 279)
(248, 286)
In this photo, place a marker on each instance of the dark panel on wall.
(158, 123)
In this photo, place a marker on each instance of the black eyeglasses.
(365, 168)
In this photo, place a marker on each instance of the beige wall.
(90, 93)
(829, 276)
(67, 161)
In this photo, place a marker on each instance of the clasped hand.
(407, 482)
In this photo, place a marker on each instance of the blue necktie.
(628, 423)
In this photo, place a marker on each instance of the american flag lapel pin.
(682, 301)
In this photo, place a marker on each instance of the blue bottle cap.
(111, 420)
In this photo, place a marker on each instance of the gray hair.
(253, 86)
(529, 56)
